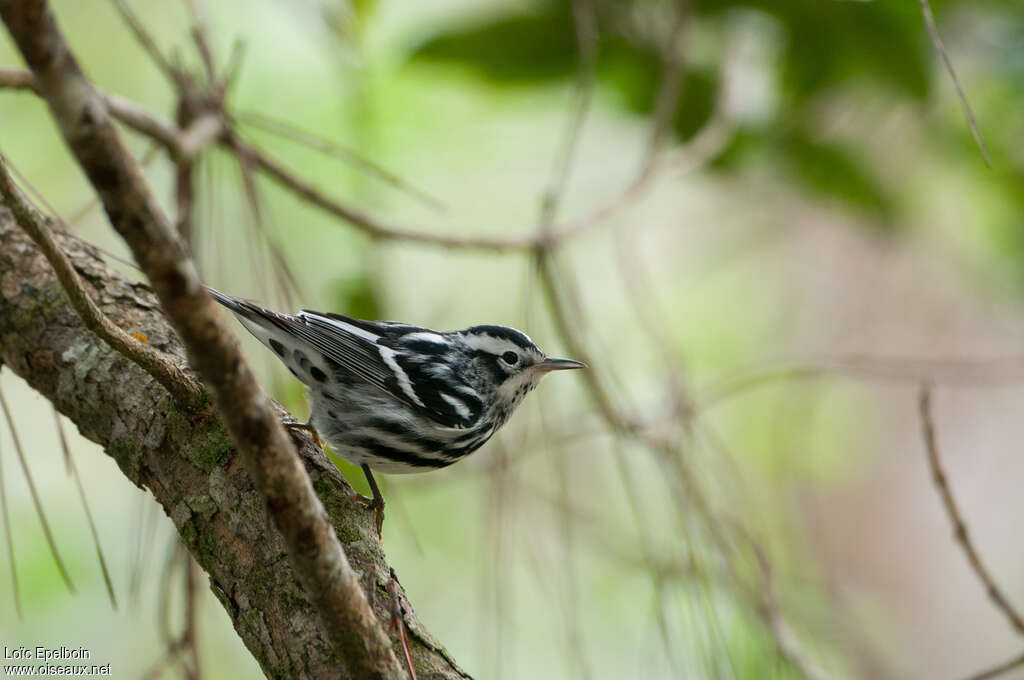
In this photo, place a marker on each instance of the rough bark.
(187, 461)
(313, 549)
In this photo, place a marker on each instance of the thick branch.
(213, 351)
(184, 388)
(187, 460)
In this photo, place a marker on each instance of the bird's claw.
(377, 505)
(306, 427)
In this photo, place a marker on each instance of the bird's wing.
(375, 353)
(412, 364)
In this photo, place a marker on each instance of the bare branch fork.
(267, 452)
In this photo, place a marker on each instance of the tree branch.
(313, 548)
(959, 527)
(187, 460)
(933, 33)
(184, 388)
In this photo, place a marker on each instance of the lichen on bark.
(186, 460)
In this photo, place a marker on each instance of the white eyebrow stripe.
(427, 336)
(489, 343)
(459, 406)
(347, 327)
(388, 355)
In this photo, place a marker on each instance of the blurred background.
(779, 225)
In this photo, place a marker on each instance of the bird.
(399, 398)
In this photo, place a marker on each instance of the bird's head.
(509, 361)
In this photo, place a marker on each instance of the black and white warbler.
(398, 398)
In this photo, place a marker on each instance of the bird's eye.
(510, 358)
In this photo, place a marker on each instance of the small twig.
(672, 70)
(234, 66)
(268, 455)
(145, 123)
(73, 472)
(35, 494)
(179, 143)
(585, 24)
(184, 388)
(146, 41)
(959, 527)
(1013, 664)
(199, 37)
(933, 33)
(17, 79)
(335, 150)
(606, 403)
(287, 283)
(190, 636)
(5, 515)
(955, 372)
(703, 146)
(786, 642)
(397, 621)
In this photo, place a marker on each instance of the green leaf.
(830, 169)
(635, 75)
(523, 48)
(834, 170)
(831, 42)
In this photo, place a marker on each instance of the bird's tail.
(230, 302)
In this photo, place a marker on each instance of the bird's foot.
(377, 505)
(306, 427)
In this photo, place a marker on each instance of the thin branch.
(287, 283)
(182, 386)
(17, 79)
(146, 41)
(365, 222)
(786, 641)
(1013, 664)
(585, 23)
(72, 470)
(179, 143)
(955, 372)
(397, 619)
(266, 451)
(933, 33)
(335, 150)
(956, 518)
(143, 122)
(673, 66)
(5, 515)
(35, 494)
(191, 633)
(696, 152)
(202, 42)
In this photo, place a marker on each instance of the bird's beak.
(550, 364)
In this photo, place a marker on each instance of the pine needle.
(10, 543)
(73, 472)
(35, 495)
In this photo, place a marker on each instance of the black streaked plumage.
(400, 398)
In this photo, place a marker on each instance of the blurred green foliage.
(825, 47)
(469, 99)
